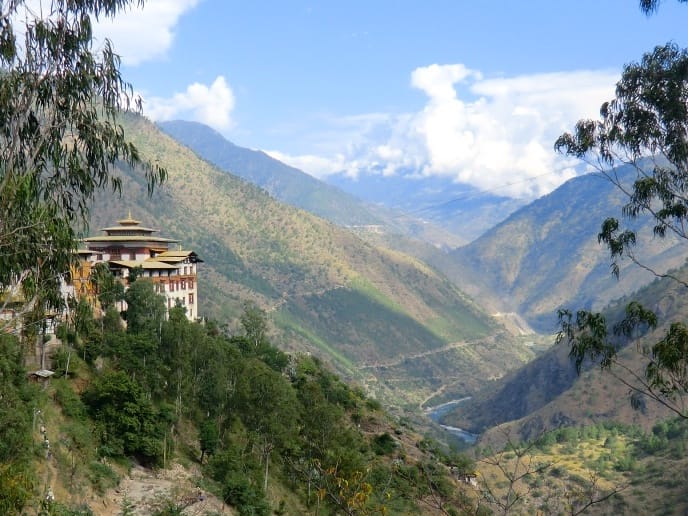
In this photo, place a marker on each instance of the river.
(436, 413)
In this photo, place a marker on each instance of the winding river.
(436, 413)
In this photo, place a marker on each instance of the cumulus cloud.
(492, 133)
(143, 34)
(211, 105)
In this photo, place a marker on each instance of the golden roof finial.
(129, 221)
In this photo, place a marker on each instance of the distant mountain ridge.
(459, 208)
(293, 186)
(283, 182)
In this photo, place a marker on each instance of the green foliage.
(17, 410)
(384, 444)
(106, 287)
(58, 104)
(145, 308)
(71, 403)
(128, 424)
(260, 415)
(645, 127)
(208, 437)
(102, 477)
(254, 322)
(238, 473)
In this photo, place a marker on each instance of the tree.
(645, 127)
(268, 406)
(107, 288)
(59, 137)
(255, 324)
(17, 399)
(126, 419)
(650, 6)
(208, 437)
(145, 308)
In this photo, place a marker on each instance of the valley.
(523, 281)
(379, 316)
(418, 286)
(527, 266)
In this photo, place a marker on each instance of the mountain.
(377, 315)
(548, 393)
(295, 187)
(546, 254)
(460, 209)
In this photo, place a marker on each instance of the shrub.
(384, 444)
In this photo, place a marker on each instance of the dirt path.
(145, 491)
(402, 358)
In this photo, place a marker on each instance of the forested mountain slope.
(379, 316)
(546, 255)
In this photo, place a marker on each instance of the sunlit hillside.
(379, 316)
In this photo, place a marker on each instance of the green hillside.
(326, 290)
(603, 468)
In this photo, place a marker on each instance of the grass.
(288, 322)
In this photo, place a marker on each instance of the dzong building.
(129, 245)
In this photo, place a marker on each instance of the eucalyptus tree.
(645, 127)
(59, 137)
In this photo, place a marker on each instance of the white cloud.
(143, 34)
(137, 34)
(494, 134)
(310, 163)
(211, 105)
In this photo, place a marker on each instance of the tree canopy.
(646, 127)
(59, 136)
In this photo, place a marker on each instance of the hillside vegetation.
(256, 429)
(548, 393)
(605, 468)
(325, 289)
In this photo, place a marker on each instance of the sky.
(474, 91)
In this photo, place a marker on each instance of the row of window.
(171, 302)
(177, 285)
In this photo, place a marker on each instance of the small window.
(191, 299)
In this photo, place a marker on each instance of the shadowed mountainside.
(548, 393)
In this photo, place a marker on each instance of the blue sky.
(475, 91)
